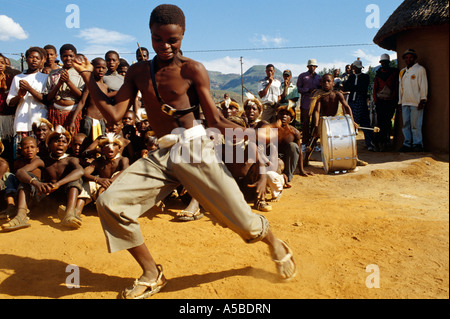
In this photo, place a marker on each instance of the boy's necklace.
(59, 158)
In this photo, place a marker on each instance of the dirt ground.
(390, 217)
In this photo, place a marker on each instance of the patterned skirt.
(63, 118)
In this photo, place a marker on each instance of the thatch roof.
(409, 15)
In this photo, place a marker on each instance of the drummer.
(326, 102)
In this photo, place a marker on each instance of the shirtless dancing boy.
(181, 83)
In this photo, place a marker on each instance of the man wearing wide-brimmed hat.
(413, 91)
(307, 83)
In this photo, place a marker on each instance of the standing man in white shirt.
(269, 90)
(413, 93)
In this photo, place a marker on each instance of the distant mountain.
(231, 83)
(15, 64)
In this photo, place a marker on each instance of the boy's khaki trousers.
(191, 163)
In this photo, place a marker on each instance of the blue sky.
(276, 32)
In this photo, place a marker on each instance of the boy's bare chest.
(108, 168)
(171, 85)
(329, 104)
(56, 169)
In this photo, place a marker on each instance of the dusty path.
(393, 214)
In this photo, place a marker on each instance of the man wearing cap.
(269, 90)
(413, 91)
(289, 93)
(385, 96)
(358, 86)
(307, 82)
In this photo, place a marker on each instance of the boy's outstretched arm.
(112, 110)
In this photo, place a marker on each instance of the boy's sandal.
(262, 206)
(16, 223)
(286, 267)
(152, 287)
(72, 221)
(187, 216)
(69, 220)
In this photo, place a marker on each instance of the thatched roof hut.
(423, 25)
(410, 15)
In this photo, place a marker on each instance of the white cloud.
(9, 29)
(99, 41)
(371, 59)
(100, 36)
(267, 40)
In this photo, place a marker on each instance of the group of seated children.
(59, 165)
(54, 163)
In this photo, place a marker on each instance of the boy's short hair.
(168, 14)
(50, 47)
(67, 47)
(27, 138)
(123, 62)
(111, 52)
(96, 60)
(142, 49)
(35, 49)
(270, 66)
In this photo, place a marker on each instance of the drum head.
(338, 143)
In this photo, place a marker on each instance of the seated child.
(93, 150)
(28, 151)
(77, 146)
(325, 103)
(129, 118)
(151, 144)
(60, 173)
(247, 174)
(231, 109)
(5, 177)
(41, 129)
(93, 123)
(102, 172)
(289, 138)
(252, 111)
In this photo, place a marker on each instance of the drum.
(338, 143)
